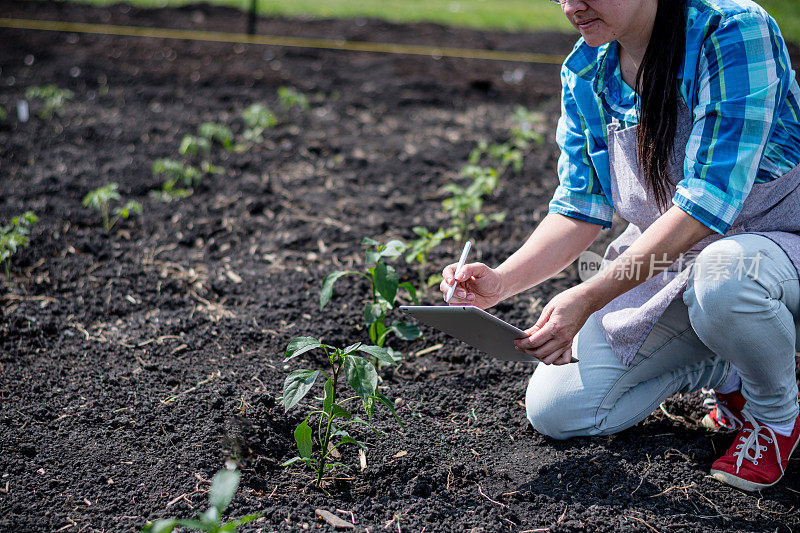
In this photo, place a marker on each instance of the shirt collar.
(600, 67)
(621, 100)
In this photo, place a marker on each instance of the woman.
(699, 292)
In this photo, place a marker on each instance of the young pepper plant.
(420, 248)
(53, 99)
(223, 487)
(334, 417)
(289, 98)
(257, 119)
(213, 132)
(384, 293)
(15, 236)
(100, 200)
(181, 178)
(466, 203)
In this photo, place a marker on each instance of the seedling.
(528, 128)
(290, 98)
(3, 114)
(504, 155)
(214, 132)
(385, 288)
(257, 118)
(466, 203)
(194, 145)
(53, 99)
(181, 178)
(363, 379)
(223, 487)
(419, 249)
(15, 236)
(191, 146)
(100, 200)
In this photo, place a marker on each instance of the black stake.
(251, 19)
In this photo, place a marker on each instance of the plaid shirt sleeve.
(579, 194)
(740, 77)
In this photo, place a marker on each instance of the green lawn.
(489, 14)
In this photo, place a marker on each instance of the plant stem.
(326, 440)
(106, 224)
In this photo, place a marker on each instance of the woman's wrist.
(505, 286)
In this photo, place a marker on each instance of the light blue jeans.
(728, 318)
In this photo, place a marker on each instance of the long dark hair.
(657, 85)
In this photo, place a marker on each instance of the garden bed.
(134, 362)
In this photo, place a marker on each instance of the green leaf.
(160, 526)
(297, 385)
(350, 440)
(301, 345)
(196, 525)
(397, 356)
(377, 332)
(328, 401)
(385, 401)
(302, 436)
(380, 353)
(371, 257)
(393, 249)
(420, 231)
(412, 292)
(351, 348)
(293, 460)
(372, 312)
(366, 241)
(236, 524)
(327, 286)
(434, 279)
(386, 281)
(361, 375)
(406, 331)
(209, 520)
(341, 412)
(223, 487)
(357, 420)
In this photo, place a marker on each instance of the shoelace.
(750, 448)
(712, 402)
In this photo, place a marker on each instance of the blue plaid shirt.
(738, 80)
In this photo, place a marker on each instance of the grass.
(514, 15)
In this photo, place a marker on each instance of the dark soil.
(135, 362)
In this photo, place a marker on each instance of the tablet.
(475, 327)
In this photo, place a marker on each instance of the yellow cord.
(274, 40)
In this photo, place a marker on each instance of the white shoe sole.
(738, 482)
(709, 423)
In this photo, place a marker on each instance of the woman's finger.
(472, 270)
(461, 296)
(543, 351)
(555, 356)
(536, 337)
(447, 274)
(565, 357)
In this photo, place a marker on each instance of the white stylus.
(452, 289)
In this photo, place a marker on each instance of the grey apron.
(772, 209)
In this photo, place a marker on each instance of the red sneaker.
(726, 410)
(758, 456)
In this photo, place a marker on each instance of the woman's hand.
(550, 339)
(478, 285)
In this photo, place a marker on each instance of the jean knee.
(724, 282)
(544, 407)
